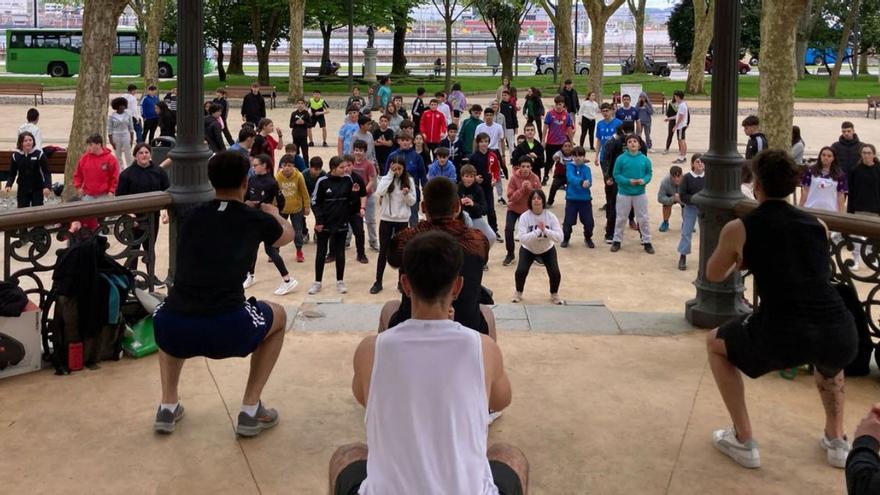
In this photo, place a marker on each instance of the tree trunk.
(326, 34)
(506, 54)
(93, 84)
(263, 64)
(155, 15)
(638, 12)
(221, 71)
(448, 21)
(599, 14)
(398, 57)
(863, 64)
(778, 79)
(236, 59)
(295, 52)
(805, 25)
(566, 40)
(841, 47)
(704, 29)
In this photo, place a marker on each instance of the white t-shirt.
(133, 108)
(683, 115)
(495, 132)
(446, 111)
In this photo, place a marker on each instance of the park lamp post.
(717, 302)
(189, 172)
(553, 4)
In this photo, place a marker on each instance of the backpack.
(89, 293)
(861, 364)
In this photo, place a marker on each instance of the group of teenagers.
(433, 380)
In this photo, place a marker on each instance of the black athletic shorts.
(758, 346)
(681, 134)
(351, 477)
(235, 333)
(319, 121)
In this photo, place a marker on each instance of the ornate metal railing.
(849, 232)
(33, 238)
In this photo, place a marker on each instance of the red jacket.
(97, 175)
(432, 126)
(517, 195)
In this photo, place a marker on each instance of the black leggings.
(302, 144)
(588, 126)
(356, 223)
(273, 253)
(671, 134)
(336, 241)
(526, 258)
(387, 230)
(509, 224)
(559, 182)
(150, 126)
(550, 150)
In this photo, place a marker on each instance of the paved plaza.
(612, 392)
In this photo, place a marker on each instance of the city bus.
(56, 52)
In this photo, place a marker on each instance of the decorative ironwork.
(33, 248)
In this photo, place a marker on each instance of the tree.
(236, 57)
(778, 78)
(224, 21)
(150, 14)
(806, 25)
(637, 8)
(560, 17)
(841, 47)
(450, 11)
(503, 19)
(295, 49)
(704, 27)
(398, 22)
(93, 84)
(268, 28)
(680, 28)
(599, 14)
(330, 15)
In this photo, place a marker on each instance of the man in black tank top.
(800, 319)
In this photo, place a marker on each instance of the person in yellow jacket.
(296, 200)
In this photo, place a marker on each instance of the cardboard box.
(22, 332)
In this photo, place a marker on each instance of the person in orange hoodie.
(432, 125)
(97, 172)
(519, 187)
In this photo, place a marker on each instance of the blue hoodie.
(448, 171)
(576, 175)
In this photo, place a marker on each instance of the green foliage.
(681, 29)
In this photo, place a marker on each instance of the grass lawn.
(812, 87)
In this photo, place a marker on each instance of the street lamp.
(36, 24)
(350, 45)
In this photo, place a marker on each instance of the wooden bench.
(657, 98)
(268, 93)
(316, 71)
(873, 102)
(56, 161)
(23, 89)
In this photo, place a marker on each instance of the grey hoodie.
(646, 111)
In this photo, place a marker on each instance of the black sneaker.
(362, 258)
(507, 260)
(648, 248)
(590, 243)
(603, 207)
(325, 144)
(251, 426)
(682, 263)
(376, 288)
(544, 181)
(608, 239)
(311, 143)
(166, 420)
(330, 258)
(498, 238)
(615, 247)
(539, 261)
(564, 244)
(502, 202)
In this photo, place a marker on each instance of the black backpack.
(861, 365)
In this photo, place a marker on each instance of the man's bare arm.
(363, 369)
(497, 383)
(728, 254)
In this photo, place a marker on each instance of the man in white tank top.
(427, 419)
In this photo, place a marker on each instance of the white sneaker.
(249, 281)
(315, 288)
(517, 297)
(286, 287)
(493, 415)
(340, 287)
(555, 299)
(745, 454)
(836, 451)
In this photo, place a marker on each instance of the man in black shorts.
(801, 318)
(206, 313)
(426, 415)
(442, 209)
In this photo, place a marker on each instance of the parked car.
(828, 56)
(545, 65)
(651, 66)
(741, 67)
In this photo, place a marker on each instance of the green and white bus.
(56, 52)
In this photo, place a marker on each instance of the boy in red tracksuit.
(97, 172)
(432, 125)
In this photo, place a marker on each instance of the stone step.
(577, 317)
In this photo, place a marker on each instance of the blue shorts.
(235, 333)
